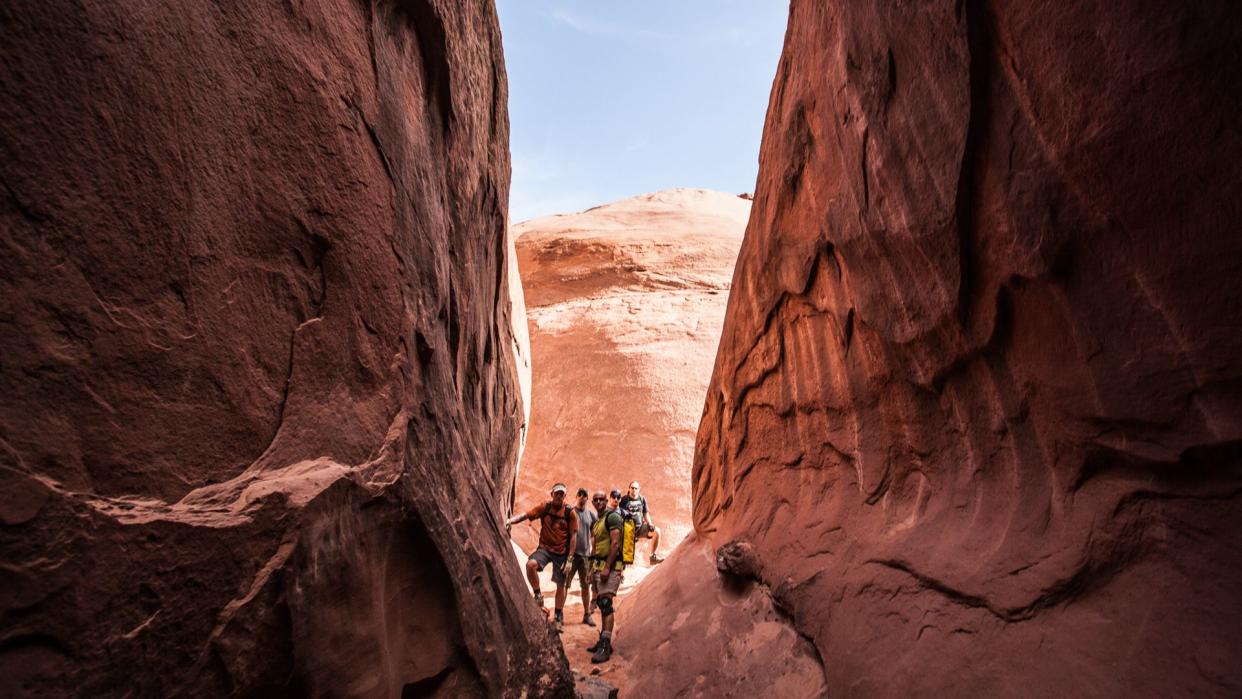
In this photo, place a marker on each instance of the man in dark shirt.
(634, 506)
(558, 531)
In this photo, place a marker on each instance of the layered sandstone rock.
(977, 411)
(260, 395)
(625, 306)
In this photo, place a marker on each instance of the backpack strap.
(564, 517)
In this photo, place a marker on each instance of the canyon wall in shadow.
(261, 409)
(976, 421)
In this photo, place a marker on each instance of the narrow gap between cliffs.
(635, 139)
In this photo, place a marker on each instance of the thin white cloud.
(529, 200)
(581, 24)
(593, 27)
(528, 168)
(546, 182)
(636, 144)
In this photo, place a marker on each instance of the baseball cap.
(558, 488)
(615, 493)
(582, 492)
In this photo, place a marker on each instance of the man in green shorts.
(607, 568)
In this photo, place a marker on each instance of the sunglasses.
(598, 499)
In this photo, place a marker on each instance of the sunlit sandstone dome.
(625, 303)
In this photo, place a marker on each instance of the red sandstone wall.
(259, 395)
(977, 403)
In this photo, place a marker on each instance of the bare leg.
(586, 590)
(561, 591)
(608, 622)
(532, 574)
(655, 540)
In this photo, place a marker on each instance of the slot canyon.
(625, 303)
(952, 408)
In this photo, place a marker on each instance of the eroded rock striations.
(260, 398)
(978, 402)
(625, 306)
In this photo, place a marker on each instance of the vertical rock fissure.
(978, 41)
(429, 31)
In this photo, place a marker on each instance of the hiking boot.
(655, 559)
(586, 619)
(558, 625)
(603, 651)
(595, 646)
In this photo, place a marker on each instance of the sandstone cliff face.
(261, 408)
(625, 306)
(977, 404)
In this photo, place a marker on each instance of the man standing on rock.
(634, 506)
(608, 567)
(558, 529)
(581, 568)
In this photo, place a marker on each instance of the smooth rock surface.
(257, 353)
(689, 631)
(625, 303)
(978, 401)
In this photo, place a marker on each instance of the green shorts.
(611, 587)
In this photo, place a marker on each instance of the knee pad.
(605, 605)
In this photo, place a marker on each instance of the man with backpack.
(558, 531)
(634, 507)
(608, 566)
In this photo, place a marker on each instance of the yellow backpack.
(628, 531)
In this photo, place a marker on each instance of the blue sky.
(611, 99)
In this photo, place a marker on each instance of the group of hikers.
(593, 543)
